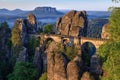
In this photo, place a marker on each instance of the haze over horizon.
(101, 5)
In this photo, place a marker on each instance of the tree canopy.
(48, 28)
(23, 71)
(110, 51)
(114, 28)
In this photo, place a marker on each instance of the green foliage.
(44, 76)
(9, 43)
(32, 44)
(110, 51)
(110, 54)
(23, 71)
(4, 66)
(114, 28)
(48, 28)
(5, 34)
(16, 35)
(70, 51)
(48, 43)
(4, 69)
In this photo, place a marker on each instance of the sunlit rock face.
(72, 71)
(31, 23)
(73, 23)
(20, 23)
(31, 19)
(86, 76)
(56, 63)
(105, 34)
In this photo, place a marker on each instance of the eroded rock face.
(95, 65)
(26, 26)
(105, 34)
(31, 23)
(21, 25)
(56, 63)
(31, 19)
(72, 71)
(86, 76)
(22, 57)
(73, 23)
(38, 61)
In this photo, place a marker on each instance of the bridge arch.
(88, 49)
(96, 41)
(48, 41)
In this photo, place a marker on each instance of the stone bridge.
(78, 41)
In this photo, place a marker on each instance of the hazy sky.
(59, 4)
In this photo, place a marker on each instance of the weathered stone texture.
(38, 61)
(72, 71)
(56, 63)
(22, 56)
(73, 23)
(105, 34)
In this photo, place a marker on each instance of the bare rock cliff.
(56, 63)
(105, 34)
(31, 23)
(72, 71)
(73, 23)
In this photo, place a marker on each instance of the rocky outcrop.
(20, 23)
(31, 24)
(26, 26)
(72, 71)
(105, 34)
(56, 63)
(95, 65)
(86, 76)
(73, 23)
(22, 56)
(38, 61)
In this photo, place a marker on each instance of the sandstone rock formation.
(72, 71)
(22, 27)
(22, 56)
(73, 23)
(86, 76)
(31, 23)
(105, 34)
(56, 63)
(95, 65)
(26, 26)
(38, 61)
